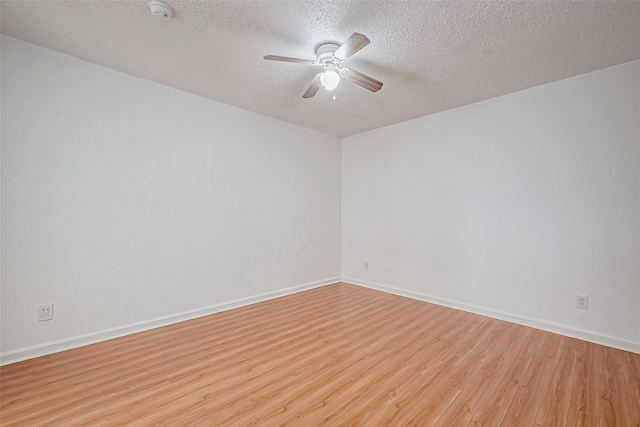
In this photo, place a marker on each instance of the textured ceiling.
(431, 55)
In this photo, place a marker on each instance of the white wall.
(508, 207)
(124, 201)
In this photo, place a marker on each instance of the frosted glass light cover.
(329, 79)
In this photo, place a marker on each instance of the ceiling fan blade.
(353, 44)
(362, 80)
(288, 59)
(313, 87)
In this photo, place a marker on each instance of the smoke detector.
(160, 10)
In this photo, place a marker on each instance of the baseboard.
(51, 347)
(509, 317)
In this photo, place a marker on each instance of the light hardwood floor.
(339, 355)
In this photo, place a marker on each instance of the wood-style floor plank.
(523, 409)
(554, 410)
(336, 355)
(631, 370)
(585, 386)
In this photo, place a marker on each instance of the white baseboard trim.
(51, 347)
(509, 317)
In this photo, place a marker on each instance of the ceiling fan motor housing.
(324, 52)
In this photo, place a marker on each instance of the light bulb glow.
(329, 79)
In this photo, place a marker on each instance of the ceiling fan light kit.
(330, 56)
(329, 79)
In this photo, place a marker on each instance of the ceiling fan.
(330, 56)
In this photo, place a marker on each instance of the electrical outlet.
(366, 265)
(45, 312)
(582, 301)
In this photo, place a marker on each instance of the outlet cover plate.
(45, 312)
(582, 301)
